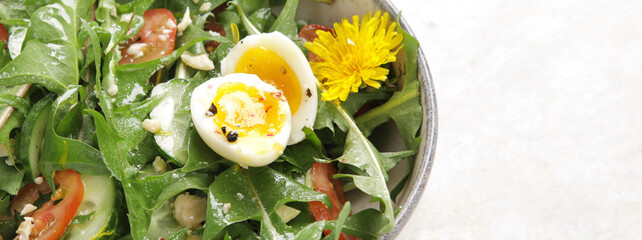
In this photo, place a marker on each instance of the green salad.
(200, 119)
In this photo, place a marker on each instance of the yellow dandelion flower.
(351, 57)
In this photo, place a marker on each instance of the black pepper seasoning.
(232, 136)
(212, 111)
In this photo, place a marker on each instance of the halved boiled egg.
(242, 118)
(275, 59)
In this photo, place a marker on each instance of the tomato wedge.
(4, 36)
(51, 220)
(309, 33)
(323, 182)
(157, 38)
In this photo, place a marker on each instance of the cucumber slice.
(175, 119)
(32, 135)
(101, 201)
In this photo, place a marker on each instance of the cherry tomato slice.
(309, 33)
(51, 220)
(323, 182)
(4, 36)
(157, 38)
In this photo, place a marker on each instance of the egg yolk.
(273, 69)
(248, 111)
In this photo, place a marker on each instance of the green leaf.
(10, 178)
(51, 65)
(404, 107)
(253, 193)
(360, 152)
(16, 9)
(285, 22)
(338, 224)
(62, 152)
(366, 224)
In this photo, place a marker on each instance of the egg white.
(290, 52)
(248, 150)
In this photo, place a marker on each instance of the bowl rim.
(429, 128)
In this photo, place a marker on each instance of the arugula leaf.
(359, 152)
(285, 22)
(49, 56)
(181, 5)
(404, 107)
(62, 152)
(253, 193)
(16, 9)
(10, 178)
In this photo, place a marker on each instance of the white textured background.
(540, 119)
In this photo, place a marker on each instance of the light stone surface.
(540, 119)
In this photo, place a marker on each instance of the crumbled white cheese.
(113, 89)
(196, 1)
(205, 7)
(3, 150)
(160, 166)
(166, 31)
(39, 180)
(227, 207)
(214, 34)
(186, 21)
(200, 62)
(24, 230)
(114, 12)
(189, 210)
(152, 125)
(126, 17)
(8, 162)
(28, 209)
(170, 24)
(136, 48)
(163, 37)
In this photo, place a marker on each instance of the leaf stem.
(8, 110)
(266, 217)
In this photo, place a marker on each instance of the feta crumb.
(126, 17)
(227, 207)
(160, 166)
(24, 230)
(38, 180)
(166, 31)
(136, 48)
(163, 37)
(3, 151)
(8, 162)
(170, 24)
(196, 1)
(214, 34)
(113, 89)
(152, 125)
(189, 210)
(205, 7)
(28, 209)
(114, 12)
(200, 62)
(186, 21)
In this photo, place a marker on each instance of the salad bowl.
(211, 119)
